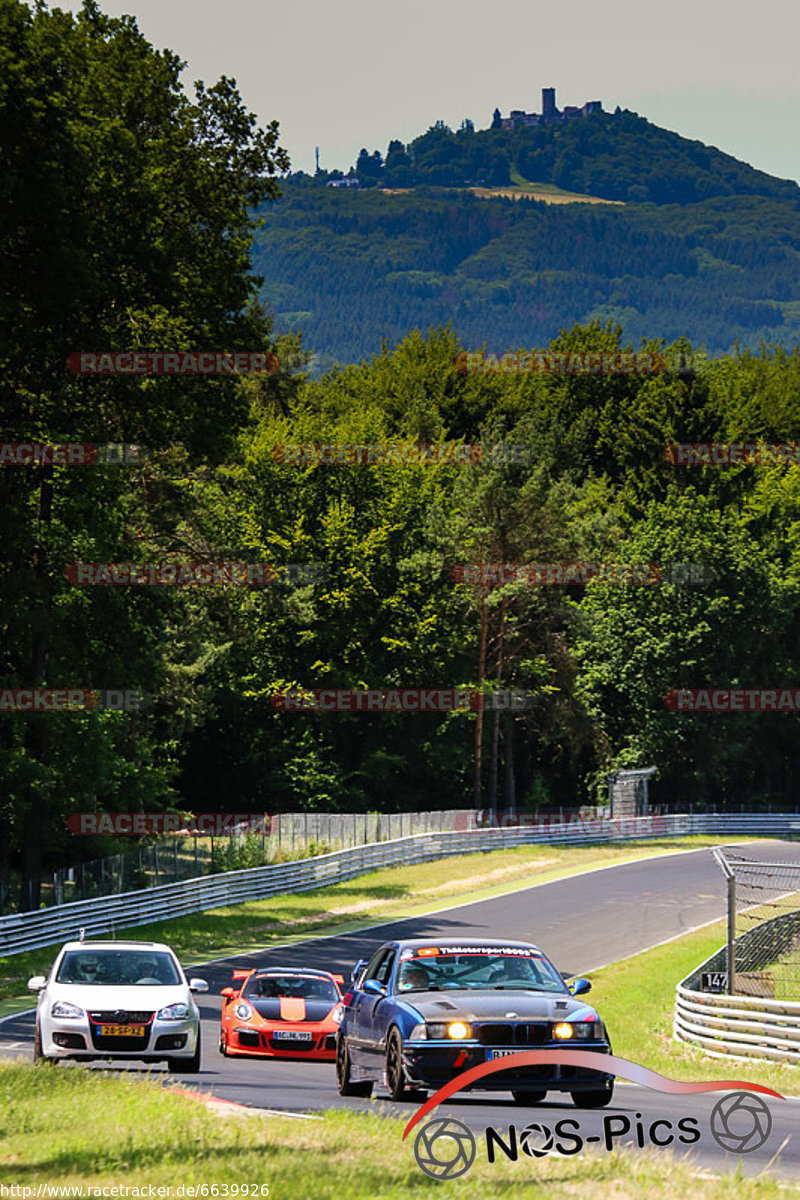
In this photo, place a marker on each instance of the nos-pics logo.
(446, 1148)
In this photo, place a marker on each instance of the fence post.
(731, 949)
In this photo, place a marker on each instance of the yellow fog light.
(458, 1030)
(563, 1031)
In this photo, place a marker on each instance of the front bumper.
(65, 1038)
(433, 1064)
(262, 1043)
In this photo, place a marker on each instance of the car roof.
(118, 945)
(292, 971)
(453, 939)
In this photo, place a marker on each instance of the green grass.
(131, 1131)
(387, 894)
(636, 999)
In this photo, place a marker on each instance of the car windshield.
(303, 987)
(128, 967)
(434, 968)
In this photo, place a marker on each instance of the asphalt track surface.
(583, 922)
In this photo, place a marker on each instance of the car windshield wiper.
(518, 987)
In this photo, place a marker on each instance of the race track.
(582, 923)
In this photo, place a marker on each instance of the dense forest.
(133, 231)
(350, 269)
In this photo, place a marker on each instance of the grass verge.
(636, 1000)
(387, 894)
(133, 1132)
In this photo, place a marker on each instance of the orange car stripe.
(293, 1008)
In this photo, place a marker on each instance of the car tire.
(223, 1045)
(598, 1099)
(396, 1082)
(38, 1057)
(528, 1097)
(346, 1085)
(186, 1066)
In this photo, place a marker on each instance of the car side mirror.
(36, 983)
(373, 988)
(357, 969)
(579, 987)
(228, 993)
(198, 985)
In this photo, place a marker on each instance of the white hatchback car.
(127, 1000)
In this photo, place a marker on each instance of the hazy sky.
(359, 72)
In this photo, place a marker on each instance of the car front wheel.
(38, 1057)
(396, 1082)
(347, 1086)
(186, 1066)
(598, 1099)
(528, 1097)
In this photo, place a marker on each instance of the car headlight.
(63, 1010)
(337, 1016)
(459, 1031)
(580, 1031)
(243, 1011)
(174, 1012)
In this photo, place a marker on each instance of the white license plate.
(501, 1053)
(293, 1035)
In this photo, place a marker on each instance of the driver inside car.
(412, 976)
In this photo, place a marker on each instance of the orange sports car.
(291, 1012)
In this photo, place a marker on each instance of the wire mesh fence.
(175, 857)
(763, 951)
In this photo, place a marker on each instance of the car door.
(364, 1048)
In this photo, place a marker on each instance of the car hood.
(498, 1006)
(291, 1009)
(109, 997)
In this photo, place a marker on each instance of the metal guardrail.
(46, 927)
(739, 1026)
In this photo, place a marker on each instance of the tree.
(129, 221)
(497, 120)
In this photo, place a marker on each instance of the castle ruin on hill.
(549, 113)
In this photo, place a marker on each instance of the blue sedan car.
(422, 1011)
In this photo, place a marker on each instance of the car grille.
(514, 1035)
(120, 1017)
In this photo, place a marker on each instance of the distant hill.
(349, 268)
(619, 156)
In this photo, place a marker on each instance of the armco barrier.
(737, 1026)
(741, 1026)
(46, 927)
